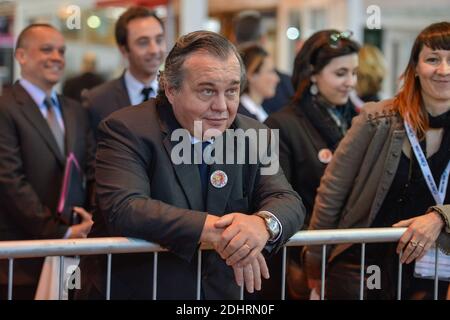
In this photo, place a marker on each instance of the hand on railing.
(81, 230)
(250, 275)
(239, 241)
(243, 239)
(421, 234)
(210, 233)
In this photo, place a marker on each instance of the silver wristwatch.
(272, 224)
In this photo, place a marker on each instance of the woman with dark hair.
(261, 83)
(391, 169)
(313, 124)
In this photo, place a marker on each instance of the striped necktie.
(55, 128)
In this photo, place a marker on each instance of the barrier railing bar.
(67, 247)
(113, 245)
(363, 260)
(108, 277)
(155, 274)
(199, 273)
(283, 275)
(74, 247)
(436, 276)
(10, 278)
(61, 278)
(400, 275)
(339, 236)
(324, 263)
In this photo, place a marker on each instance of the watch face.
(273, 226)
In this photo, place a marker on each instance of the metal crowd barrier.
(76, 247)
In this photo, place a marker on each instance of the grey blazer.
(358, 178)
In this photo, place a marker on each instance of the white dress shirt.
(134, 88)
(253, 108)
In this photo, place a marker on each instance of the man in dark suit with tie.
(38, 128)
(144, 191)
(140, 38)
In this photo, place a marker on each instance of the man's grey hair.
(206, 41)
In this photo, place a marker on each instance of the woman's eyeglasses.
(335, 37)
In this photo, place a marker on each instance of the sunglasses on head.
(336, 36)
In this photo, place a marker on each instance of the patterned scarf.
(331, 122)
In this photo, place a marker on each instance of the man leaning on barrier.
(145, 192)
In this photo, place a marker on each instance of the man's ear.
(124, 51)
(19, 54)
(170, 93)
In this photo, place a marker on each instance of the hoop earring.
(313, 89)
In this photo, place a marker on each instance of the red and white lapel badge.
(325, 155)
(219, 179)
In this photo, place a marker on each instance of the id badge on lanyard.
(425, 267)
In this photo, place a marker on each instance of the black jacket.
(300, 144)
(283, 94)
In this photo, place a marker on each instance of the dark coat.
(104, 99)
(283, 94)
(31, 172)
(74, 86)
(141, 193)
(300, 143)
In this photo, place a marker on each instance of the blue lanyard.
(438, 194)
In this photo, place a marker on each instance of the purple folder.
(73, 191)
